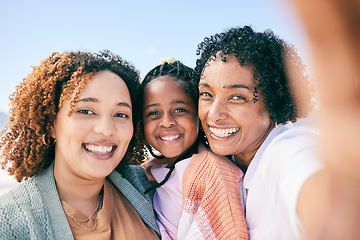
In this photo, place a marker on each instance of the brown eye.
(238, 98)
(121, 115)
(153, 113)
(86, 112)
(180, 110)
(205, 95)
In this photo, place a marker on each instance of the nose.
(167, 120)
(217, 111)
(104, 126)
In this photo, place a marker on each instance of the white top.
(168, 198)
(273, 180)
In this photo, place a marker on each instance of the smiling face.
(233, 123)
(92, 141)
(170, 117)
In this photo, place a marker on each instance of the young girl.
(197, 195)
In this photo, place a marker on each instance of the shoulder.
(292, 141)
(21, 209)
(210, 160)
(19, 195)
(136, 176)
(300, 134)
(291, 155)
(207, 168)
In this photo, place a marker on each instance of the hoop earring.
(44, 139)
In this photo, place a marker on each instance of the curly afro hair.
(26, 144)
(277, 67)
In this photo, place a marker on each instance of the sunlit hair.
(26, 144)
(276, 66)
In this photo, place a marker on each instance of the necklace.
(77, 221)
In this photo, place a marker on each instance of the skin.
(233, 123)
(333, 33)
(91, 142)
(226, 92)
(170, 117)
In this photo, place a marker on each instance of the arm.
(329, 202)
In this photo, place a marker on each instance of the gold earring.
(44, 139)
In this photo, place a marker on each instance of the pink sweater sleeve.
(211, 199)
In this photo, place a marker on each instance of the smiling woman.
(246, 108)
(70, 136)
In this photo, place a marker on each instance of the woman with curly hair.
(70, 136)
(247, 105)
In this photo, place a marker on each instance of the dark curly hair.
(272, 59)
(26, 140)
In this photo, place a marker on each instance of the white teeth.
(169, 138)
(223, 132)
(99, 149)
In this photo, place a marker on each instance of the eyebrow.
(228, 86)
(89, 99)
(180, 101)
(156, 104)
(150, 105)
(95, 100)
(237, 86)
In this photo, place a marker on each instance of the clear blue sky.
(141, 32)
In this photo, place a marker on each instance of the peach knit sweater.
(211, 198)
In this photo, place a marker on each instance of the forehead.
(103, 85)
(167, 82)
(165, 89)
(166, 78)
(227, 73)
(106, 79)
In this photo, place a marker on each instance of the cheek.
(193, 126)
(148, 130)
(125, 131)
(202, 111)
(259, 121)
(263, 116)
(130, 130)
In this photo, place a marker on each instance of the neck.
(82, 194)
(244, 159)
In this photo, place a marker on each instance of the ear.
(53, 132)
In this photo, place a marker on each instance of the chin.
(221, 151)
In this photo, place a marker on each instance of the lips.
(223, 132)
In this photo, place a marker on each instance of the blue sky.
(141, 32)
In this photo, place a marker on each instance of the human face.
(170, 117)
(92, 141)
(233, 123)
